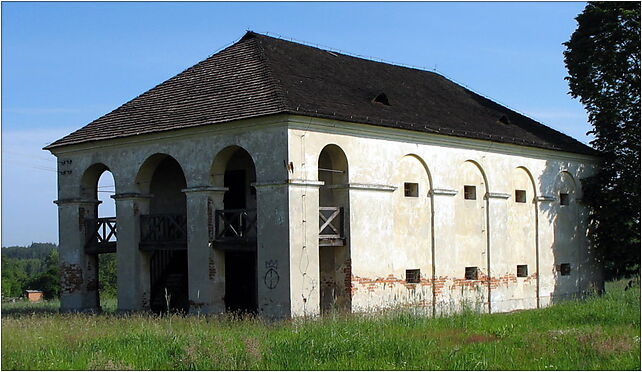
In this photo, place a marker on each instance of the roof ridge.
(425, 69)
(345, 53)
(278, 89)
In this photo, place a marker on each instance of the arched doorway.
(235, 228)
(164, 233)
(335, 267)
(97, 183)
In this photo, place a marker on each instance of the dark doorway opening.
(169, 286)
(335, 265)
(240, 263)
(240, 282)
(164, 235)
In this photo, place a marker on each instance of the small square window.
(564, 199)
(522, 271)
(472, 273)
(520, 196)
(565, 269)
(411, 189)
(413, 276)
(470, 192)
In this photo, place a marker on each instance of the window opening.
(381, 98)
(522, 271)
(413, 276)
(472, 273)
(504, 120)
(565, 269)
(564, 199)
(470, 192)
(411, 189)
(520, 196)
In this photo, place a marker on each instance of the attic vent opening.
(504, 120)
(381, 98)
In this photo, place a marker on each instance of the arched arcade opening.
(97, 183)
(335, 267)
(235, 228)
(163, 234)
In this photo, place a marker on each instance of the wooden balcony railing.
(331, 231)
(101, 235)
(163, 231)
(235, 226)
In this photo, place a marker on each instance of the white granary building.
(286, 180)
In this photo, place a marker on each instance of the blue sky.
(65, 64)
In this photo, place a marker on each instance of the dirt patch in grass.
(455, 336)
(480, 338)
(606, 345)
(452, 336)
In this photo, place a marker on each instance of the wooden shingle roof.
(261, 75)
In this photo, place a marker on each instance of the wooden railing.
(331, 225)
(163, 229)
(234, 225)
(101, 235)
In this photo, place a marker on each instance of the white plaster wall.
(519, 247)
(390, 234)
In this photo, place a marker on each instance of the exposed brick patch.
(388, 282)
(462, 283)
(347, 281)
(441, 284)
(212, 268)
(531, 278)
(505, 280)
(70, 278)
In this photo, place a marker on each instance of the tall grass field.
(597, 333)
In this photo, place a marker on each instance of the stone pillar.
(132, 264)
(206, 266)
(273, 250)
(78, 270)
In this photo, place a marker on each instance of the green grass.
(601, 332)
